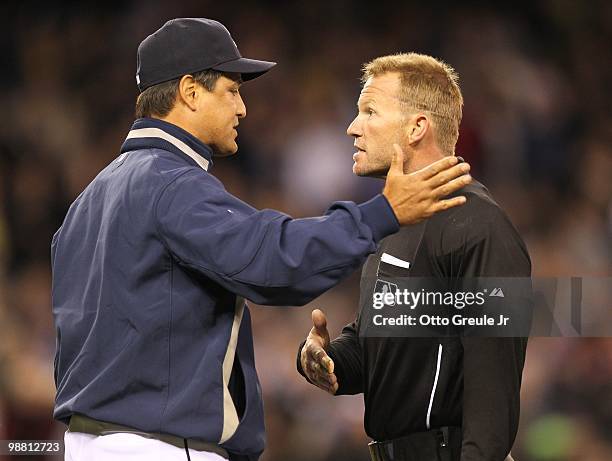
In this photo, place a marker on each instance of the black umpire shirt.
(416, 384)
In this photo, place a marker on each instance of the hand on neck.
(422, 157)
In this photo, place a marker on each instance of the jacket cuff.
(379, 216)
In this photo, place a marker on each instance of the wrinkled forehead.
(230, 78)
(384, 87)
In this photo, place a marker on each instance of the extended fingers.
(446, 204)
(448, 175)
(438, 167)
(452, 186)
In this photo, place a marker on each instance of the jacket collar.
(149, 133)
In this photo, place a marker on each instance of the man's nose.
(353, 129)
(241, 108)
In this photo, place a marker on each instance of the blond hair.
(427, 84)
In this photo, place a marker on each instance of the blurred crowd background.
(537, 129)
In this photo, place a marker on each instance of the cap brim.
(249, 68)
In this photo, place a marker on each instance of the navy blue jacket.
(150, 270)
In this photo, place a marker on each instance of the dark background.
(537, 129)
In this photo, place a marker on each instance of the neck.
(175, 117)
(420, 159)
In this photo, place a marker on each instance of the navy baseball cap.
(187, 45)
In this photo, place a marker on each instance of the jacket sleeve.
(492, 366)
(264, 255)
(345, 351)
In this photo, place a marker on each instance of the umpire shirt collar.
(147, 133)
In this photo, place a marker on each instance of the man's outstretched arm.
(270, 258)
(336, 366)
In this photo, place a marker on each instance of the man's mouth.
(359, 152)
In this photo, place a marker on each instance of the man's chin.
(365, 172)
(226, 151)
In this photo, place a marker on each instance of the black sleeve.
(492, 366)
(345, 351)
(491, 396)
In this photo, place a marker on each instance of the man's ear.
(188, 92)
(417, 128)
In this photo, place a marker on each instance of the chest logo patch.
(384, 287)
(394, 261)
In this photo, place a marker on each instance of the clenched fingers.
(318, 367)
(320, 378)
(321, 357)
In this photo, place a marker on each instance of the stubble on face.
(221, 110)
(378, 125)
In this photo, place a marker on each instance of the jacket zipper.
(433, 389)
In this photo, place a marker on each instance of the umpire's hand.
(417, 196)
(316, 364)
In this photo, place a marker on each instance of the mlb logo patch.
(382, 286)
